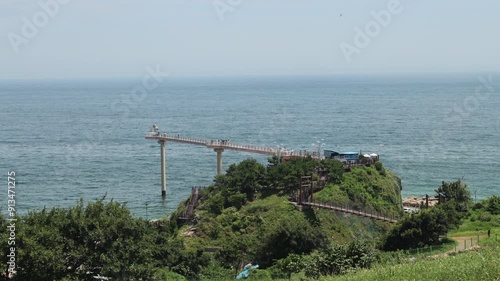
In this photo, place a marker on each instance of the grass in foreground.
(474, 265)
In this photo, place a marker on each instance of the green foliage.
(471, 266)
(485, 217)
(418, 230)
(425, 228)
(260, 274)
(482, 216)
(236, 250)
(365, 188)
(339, 259)
(457, 192)
(100, 238)
(237, 200)
(270, 229)
(246, 177)
(237, 187)
(291, 264)
(285, 176)
(380, 168)
(216, 204)
(335, 170)
(289, 236)
(493, 205)
(214, 271)
(69, 242)
(167, 275)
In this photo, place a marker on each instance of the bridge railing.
(355, 209)
(229, 145)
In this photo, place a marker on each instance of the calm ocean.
(68, 140)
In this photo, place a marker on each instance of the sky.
(120, 38)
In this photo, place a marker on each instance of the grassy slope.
(366, 187)
(473, 226)
(476, 265)
(470, 266)
(480, 265)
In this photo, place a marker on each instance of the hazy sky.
(120, 38)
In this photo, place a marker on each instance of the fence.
(461, 244)
(429, 250)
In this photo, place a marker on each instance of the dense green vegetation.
(100, 238)
(426, 227)
(247, 216)
(482, 216)
(373, 188)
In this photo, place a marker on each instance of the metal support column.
(163, 170)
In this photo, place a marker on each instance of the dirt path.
(464, 242)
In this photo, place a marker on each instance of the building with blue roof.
(352, 157)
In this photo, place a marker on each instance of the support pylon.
(219, 151)
(163, 170)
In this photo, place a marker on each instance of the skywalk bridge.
(219, 146)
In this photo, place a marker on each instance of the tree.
(246, 177)
(237, 250)
(335, 170)
(100, 238)
(455, 191)
(493, 205)
(293, 263)
(339, 259)
(418, 230)
(428, 225)
(289, 235)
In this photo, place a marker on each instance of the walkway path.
(350, 211)
(465, 242)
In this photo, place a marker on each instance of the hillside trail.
(464, 242)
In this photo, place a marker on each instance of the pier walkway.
(226, 144)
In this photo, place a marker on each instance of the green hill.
(248, 216)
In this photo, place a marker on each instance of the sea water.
(72, 139)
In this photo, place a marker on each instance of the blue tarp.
(246, 272)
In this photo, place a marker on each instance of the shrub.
(380, 168)
(339, 259)
(418, 230)
(166, 275)
(215, 271)
(291, 264)
(477, 206)
(484, 216)
(473, 218)
(493, 205)
(216, 204)
(237, 200)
